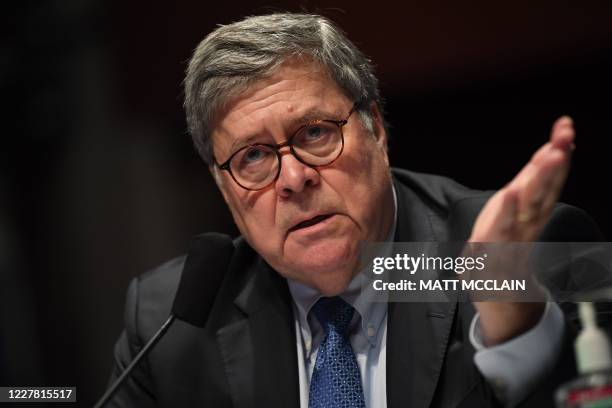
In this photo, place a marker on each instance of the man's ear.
(380, 133)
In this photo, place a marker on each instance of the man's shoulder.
(162, 281)
(460, 205)
(151, 295)
(438, 191)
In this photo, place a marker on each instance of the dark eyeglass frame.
(289, 143)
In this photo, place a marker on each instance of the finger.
(542, 180)
(510, 210)
(563, 133)
(497, 219)
(554, 162)
(550, 161)
(532, 167)
(564, 120)
(558, 182)
(562, 137)
(539, 194)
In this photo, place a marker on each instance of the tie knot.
(333, 313)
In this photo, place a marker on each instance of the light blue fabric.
(512, 366)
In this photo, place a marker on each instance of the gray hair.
(233, 56)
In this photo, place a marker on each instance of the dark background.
(99, 182)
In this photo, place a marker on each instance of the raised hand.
(518, 213)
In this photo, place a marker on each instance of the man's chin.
(329, 268)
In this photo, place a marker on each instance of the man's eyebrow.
(240, 143)
(292, 126)
(317, 114)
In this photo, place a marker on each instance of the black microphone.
(204, 270)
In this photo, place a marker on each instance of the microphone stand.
(145, 350)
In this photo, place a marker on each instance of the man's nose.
(294, 176)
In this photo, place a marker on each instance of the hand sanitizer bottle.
(593, 388)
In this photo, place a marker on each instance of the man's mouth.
(310, 222)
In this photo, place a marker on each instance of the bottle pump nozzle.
(592, 346)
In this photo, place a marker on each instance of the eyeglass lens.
(316, 144)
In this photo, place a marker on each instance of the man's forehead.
(290, 82)
(274, 100)
(291, 118)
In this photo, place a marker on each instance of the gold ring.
(524, 216)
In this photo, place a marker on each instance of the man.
(286, 112)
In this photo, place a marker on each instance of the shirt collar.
(366, 301)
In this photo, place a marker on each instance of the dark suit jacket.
(245, 356)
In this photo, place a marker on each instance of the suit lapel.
(418, 333)
(258, 348)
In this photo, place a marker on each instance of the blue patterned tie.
(335, 381)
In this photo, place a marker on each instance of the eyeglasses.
(316, 144)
